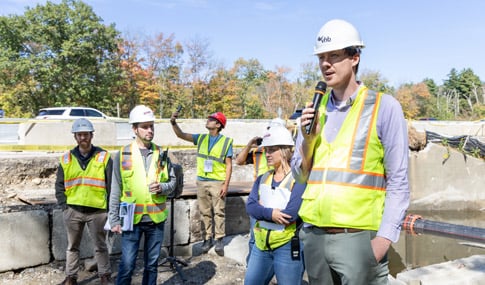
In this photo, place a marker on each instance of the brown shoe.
(106, 279)
(69, 281)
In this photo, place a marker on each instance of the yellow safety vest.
(267, 239)
(85, 187)
(217, 157)
(135, 182)
(346, 187)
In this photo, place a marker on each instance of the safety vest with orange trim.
(346, 186)
(135, 181)
(265, 236)
(260, 163)
(85, 187)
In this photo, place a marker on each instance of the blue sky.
(406, 41)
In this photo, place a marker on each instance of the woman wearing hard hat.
(274, 202)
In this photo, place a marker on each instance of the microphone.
(320, 90)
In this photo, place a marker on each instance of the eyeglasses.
(271, 149)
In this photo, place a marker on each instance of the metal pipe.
(415, 224)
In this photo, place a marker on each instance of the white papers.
(127, 213)
(273, 198)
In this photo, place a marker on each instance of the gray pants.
(75, 222)
(344, 258)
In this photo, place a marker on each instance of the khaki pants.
(75, 222)
(209, 200)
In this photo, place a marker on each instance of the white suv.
(62, 113)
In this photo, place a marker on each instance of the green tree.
(250, 76)
(462, 91)
(432, 87)
(375, 81)
(304, 86)
(58, 54)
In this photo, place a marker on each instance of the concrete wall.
(117, 133)
(113, 133)
(444, 179)
(25, 239)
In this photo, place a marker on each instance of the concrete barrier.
(25, 239)
(118, 133)
(29, 239)
(463, 271)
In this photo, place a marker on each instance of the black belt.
(333, 231)
(146, 223)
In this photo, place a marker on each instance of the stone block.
(181, 214)
(25, 239)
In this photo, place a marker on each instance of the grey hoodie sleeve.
(115, 193)
(168, 187)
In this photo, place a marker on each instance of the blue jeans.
(263, 264)
(252, 222)
(130, 243)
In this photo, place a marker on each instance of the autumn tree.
(163, 57)
(277, 93)
(136, 80)
(414, 99)
(199, 70)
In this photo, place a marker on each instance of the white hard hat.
(141, 114)
(277, 135)
(82, 125)
(277, 122)
(337, 34)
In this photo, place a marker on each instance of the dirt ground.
(207, 269)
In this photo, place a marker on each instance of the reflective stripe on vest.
(355, 174)
(271, 239)
(346, 186)
(374, 181)
(217, 155)
(220, 156)
(85, 187)
(135, 182)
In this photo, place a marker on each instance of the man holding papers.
(142, 178)
(274, 202)
(82, 189)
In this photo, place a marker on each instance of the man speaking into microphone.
(352, 151)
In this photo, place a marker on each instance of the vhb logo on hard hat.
(141, 114)
(335, 35)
